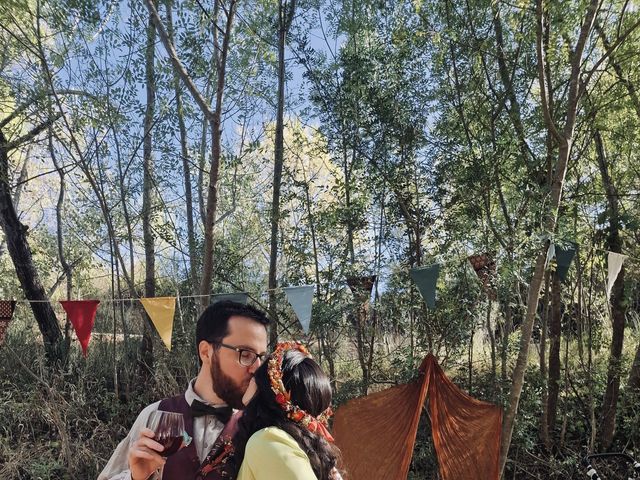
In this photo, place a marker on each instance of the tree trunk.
(214, 118)
(508, 326)
(544, 419)
(277, 171)
(564, 139)
(492, 340)
(66, 268)
(216, 134)
(614, 244)
(18, 246)
(361, 289)
(555, 329)
(186, 169)
(146, 347)
(633, 384)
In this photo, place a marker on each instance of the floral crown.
(317, 425)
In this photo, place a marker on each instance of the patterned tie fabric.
(6, 312)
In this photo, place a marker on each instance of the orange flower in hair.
(317, 424)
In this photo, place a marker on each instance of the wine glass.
(169, 431)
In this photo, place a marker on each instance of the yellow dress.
(273, 454)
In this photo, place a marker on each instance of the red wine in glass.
(169, 431)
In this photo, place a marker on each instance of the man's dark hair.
(213, 324)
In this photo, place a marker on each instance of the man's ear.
(205, 350)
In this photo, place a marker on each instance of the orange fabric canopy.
(377, 433)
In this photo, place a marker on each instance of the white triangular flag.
(551, 253)
(301, 299)
(614, 265)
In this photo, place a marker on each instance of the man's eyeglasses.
(246, 357)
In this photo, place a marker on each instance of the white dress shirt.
(206, 430)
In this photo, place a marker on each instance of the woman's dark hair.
(311, 391)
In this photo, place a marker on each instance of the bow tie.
(199, 409)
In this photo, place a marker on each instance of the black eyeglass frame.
(256, 356)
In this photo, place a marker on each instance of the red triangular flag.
(6, 312)
(81, 314)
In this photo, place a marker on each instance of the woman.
(283, 432)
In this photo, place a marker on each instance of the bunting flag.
(551, 253)
(361, 287)
(564, 256)
(161, 311)
(614, 265)
(6, 314)
(426, 278)
(301, 299)
(240, 297)
(82, 314)
(376, 434)
(485, 268)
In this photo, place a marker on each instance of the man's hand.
(144, 457)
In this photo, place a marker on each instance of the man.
(231, 340)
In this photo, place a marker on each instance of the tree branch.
(608, 53)
(33, 133)
(177, 64)
(545, 92)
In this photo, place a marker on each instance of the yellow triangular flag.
(161, 311)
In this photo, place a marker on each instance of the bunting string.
(161, 310)
(461, 259)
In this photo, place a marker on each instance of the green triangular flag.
(564, 256)
(426, 278)
(240, 297)
(301, 299)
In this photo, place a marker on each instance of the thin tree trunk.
(555, 329)
(614, 244)
(470, 359)
(215, 120)
(492, 340)
(544, 420)
(592, 402)
(633, 384)
(186, 169)
(146, 347)
(66, 268)
(565, 141)
(216, 134)
(277, 172)
(508, 326)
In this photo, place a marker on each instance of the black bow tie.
(199, 409)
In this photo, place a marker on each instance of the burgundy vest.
(185, 464)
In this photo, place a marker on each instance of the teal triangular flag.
(240, 297)
(426, 278)
(301, 299)
(564, 256)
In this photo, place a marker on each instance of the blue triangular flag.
(564, 256)
(301, 299)
(240, 297)
(426, 278)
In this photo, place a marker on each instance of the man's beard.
(225, 387)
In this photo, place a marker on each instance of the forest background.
(162, 148)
